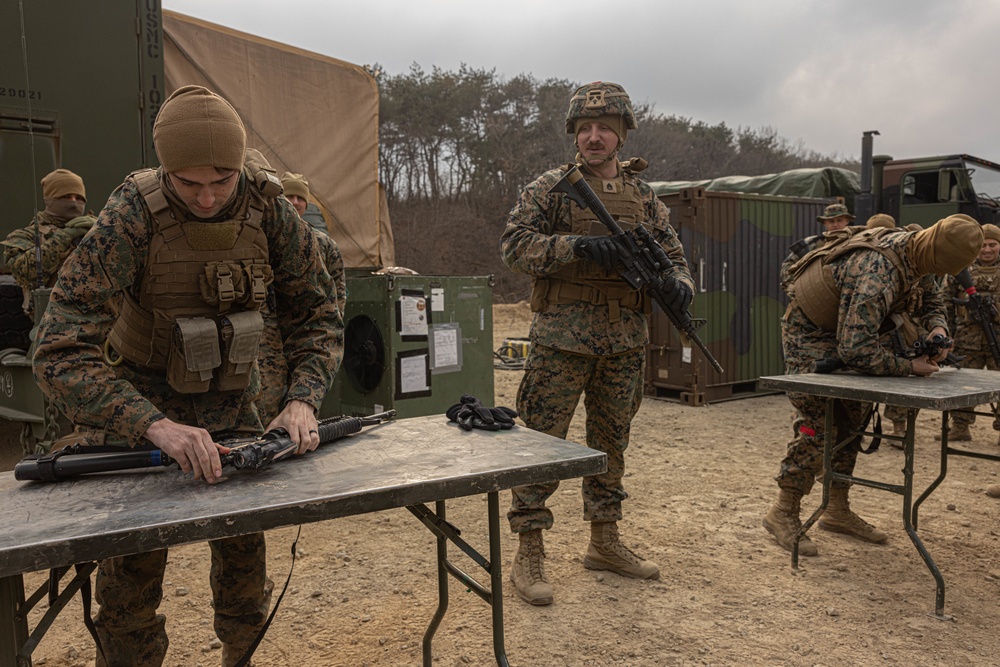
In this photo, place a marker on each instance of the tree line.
(456, 147)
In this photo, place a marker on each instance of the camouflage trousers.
(975, 359)
(130, 588)
(273, 370)
(804, 344)
(547, 398)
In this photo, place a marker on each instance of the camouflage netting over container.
(821, 183)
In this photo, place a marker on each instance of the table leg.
(496, 579)
(442, 558)
(13, 624)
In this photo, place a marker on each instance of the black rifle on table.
(642, 259)
(982, 311)
(255, 452)
(932, 347)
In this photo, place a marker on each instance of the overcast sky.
(922, 72)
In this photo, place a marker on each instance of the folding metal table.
(406, 463)
(945, 391)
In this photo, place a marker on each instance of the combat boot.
(898, 429)
(528, 570)
(956, 433)
(782, 521)
(606, 552)
(231, 655)
(839, 518)
(993, 490)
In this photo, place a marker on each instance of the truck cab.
(925, 190)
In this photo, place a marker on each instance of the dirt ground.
(700, 481)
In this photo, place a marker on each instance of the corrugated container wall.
(735, 244)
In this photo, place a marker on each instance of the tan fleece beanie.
(62, 182)
(614, 122)
(295, 184)
(948, 246)
(991, 232)
(881, 220)
(197, 128)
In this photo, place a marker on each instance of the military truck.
(924, 190)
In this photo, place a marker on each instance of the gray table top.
(948, 389)
(405, 462)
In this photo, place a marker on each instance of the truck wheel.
(14, 324)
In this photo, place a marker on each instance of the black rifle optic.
(255, 452)
(982, 311)
(641, 259)
(930, 348)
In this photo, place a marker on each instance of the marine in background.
(834, 218)
(970, 340)
(296, 189)
(60, 226)
(589, 330)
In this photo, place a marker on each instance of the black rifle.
(254, 452)
(982, 311)
(642, 259)
(930, 348)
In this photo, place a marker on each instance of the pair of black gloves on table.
(602, 251)
(470, 413)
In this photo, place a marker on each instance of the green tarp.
(825, 182)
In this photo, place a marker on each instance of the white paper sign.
(437, 298)
(445, 347)
(413, 315)
(413, 374)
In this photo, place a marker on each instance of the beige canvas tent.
(306, 113)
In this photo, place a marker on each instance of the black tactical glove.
(470, 413)
(598, 249)
(678, 295)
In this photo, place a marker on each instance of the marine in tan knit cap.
(201, 143)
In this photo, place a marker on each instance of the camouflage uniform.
(579, 347)
(125, 400)
(58, 239)
(272, 363)
(927, 307)
(871, 288)
(797, 251)
(970, 341)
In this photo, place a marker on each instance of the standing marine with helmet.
(970, 340)
(589, 330)
(189, 250)
(840, 303)
(59, 229)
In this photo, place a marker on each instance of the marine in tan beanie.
(64, 195)
(201, 143)
(991, 246)
(947, 246)
(296, 189)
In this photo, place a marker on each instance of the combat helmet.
(600, 98)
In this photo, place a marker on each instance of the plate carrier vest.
(197, 312)
(587, 281)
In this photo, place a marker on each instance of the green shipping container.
(735, 244)
(414, 344)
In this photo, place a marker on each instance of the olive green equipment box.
(414, 344)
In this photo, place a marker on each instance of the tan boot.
(993, 490)
(898, 429)
(528, 570)
(606, 552)
(957, 433)
(782, 521)
(839, 518)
